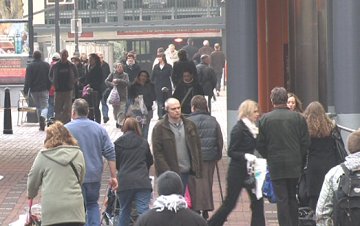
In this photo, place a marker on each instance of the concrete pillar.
(346, 58)
(241, 50)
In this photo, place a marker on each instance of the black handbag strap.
(186, 95)
(75, 171)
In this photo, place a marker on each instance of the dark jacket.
(178, 70)
(207, 78)
(167, 217)
(36, 77)
(133, 160)
(164, 147)
(321, 159)
(122, 86)
(210, 135)
(94, 77)
(283, 140)
(180, 93)
(105, 69)
(147, 90)
(66, 82)
(217, 61)
(161, 78)
(132, 71)
(190, 51)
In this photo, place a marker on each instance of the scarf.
(352, 161)
(172, 202)
(252, 127)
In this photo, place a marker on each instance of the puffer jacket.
(210, 135)
(325, 206)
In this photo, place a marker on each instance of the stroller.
(110, 216)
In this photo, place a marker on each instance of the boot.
(42, 123)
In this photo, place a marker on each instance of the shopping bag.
(114, 97)
(260, 174)
(268, 190)
(33, 215)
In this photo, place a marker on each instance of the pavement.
(18, 150)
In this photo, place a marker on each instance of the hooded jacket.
(133, 160)
(61, 196)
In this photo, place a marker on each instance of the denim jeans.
(51, 103)
(91, 192)
(104, 108)
(41, 102)
(141, 198)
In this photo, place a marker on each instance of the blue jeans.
(91, 192)
(104, 108)
(51, 103)
(141, 198)
(41, 102)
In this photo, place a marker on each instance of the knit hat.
(169, 183)
(55, 56)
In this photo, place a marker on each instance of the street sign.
(79, 26)
(61, 2)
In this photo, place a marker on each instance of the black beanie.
(169, 183)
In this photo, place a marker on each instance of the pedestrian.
(94, 78)
(326, 206)
(59, 169)
(160, 76)
(211, 151)
(241, 150)
(51, 102)
(63, 76)
(133, 160)
(180, 66)
(205, 49)
(81, 71)
(131, 67)
(284, 140)
(95, 144)
(170, 207)
(120, 80)
(37, 86)
(190, 48)
(186, 89)
(294, 103)
(321, 155)
(206, 77)
(171, 54)
(143, 86)
(105, 69)
(176, 144)
(217, 62)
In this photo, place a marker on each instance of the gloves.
(250, 157)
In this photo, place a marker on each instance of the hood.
(129, 140)
(62, 155)
(352, 161)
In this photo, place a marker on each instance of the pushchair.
(110, 216)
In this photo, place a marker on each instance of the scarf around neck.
(252, 127)
(172, 202)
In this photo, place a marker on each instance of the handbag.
(339, 146)
(86, 91)
(32, 219)
(302, 191)
(114, 97)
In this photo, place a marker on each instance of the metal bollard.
(7, 113)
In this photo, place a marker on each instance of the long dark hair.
(137, 79)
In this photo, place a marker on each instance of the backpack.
(347, 199)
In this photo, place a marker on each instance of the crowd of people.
(186, 141)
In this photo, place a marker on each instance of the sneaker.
(106, 119)
(42, 123)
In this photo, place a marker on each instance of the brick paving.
(18, 150)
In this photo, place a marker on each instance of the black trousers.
(235, 180)
(287, 205)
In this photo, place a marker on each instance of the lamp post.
(76, 35)
(57, 26)
(31, 27)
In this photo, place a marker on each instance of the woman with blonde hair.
(321, 155)
(241, 150)
(59, 169)
(133, 160)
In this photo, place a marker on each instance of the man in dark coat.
(283, 140)
(176, 143)
(170, 207)
(131, 67)
(190, 49)
(206, 77)
(105, 68)
(217, 62)
(37, 84)
(180, 66)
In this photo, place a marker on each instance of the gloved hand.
(250, 157)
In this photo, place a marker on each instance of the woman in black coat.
(160, 76)
(94, 78)
(143, 86)
(133, 160)
(321, 156)
(241, 150)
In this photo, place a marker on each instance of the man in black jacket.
(283, 140)
(37, 85)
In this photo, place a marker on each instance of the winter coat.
(36, 77)
(181, 91)
(61, 196)
(207, 78)
(210, 135)
(94, 77)
(179, 68)
(147, 90)
(132, 71)
(161, 78)
(167, 217)
(133, 160)
(122, 86)
(164, 147)
(283, 140)
(68, 80)
(217, 61)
